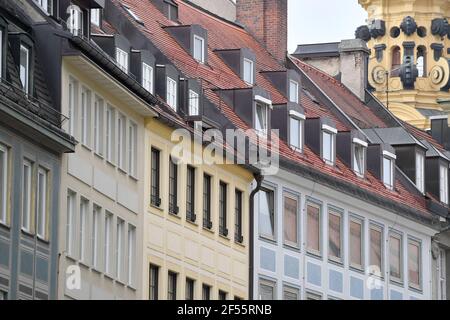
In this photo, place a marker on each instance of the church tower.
(409, 66)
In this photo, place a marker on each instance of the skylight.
(131, 13)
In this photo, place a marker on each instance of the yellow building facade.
(409, 62)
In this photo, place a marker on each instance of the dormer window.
(329, 144)
(199, 49)
(248, 71)
(293, 91)
(2, 54)
(95, 17)
(193, 103)
(420, 171)
(25, 67)
(261, 117)
(388, 169)
(443, 182)
(75, 20)
(45, 5)
(122, 59)
(147, 77)
(296, 125)
(171, 98)
(359, 157)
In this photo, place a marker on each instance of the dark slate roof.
(393, 136)
(317, 50)
(431, 113)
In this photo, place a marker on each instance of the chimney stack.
(266, 20)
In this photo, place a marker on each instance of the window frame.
(122, 59)
(207, 201)
(86, 111)
(206, 292)
(378, 228)
(26, 212)
(42, 203)
(223, 209)
(300, 119)
(99, 125)
(272, 214)
(26, 86)
(96, 231)
(201, 58)
(269, 284)
(110, 133)
(121, 141)
(190, 194)
(83, 230)
(420, 171)
(4, 187)
(443, 184)
(337, 213)
(132, 148)
(190, 289)
(296, 198)
(387, 156)
(120, 248)
(95, 17)
(294, 99)
(108, 238)
(147, 77)
(359, 169)
(155, 177)
(2, 51)
(418, 243)
(173, 187)
(238, 209)
(399, 236)
(172, 282)
(172, 97)
(131, 253)
(319, 206)
(76, 23)
(262, 128)
(331, 132)
(290, 290)
(71, 222)
(153, 282)
(194, 103)
(251, 79)
(357, 220)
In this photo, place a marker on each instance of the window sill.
(27, 232)
(315, 255)
(131, 287)
(43, 240)
(267, 239)
(121, 170)
(211, 231)
(240, 244)
(86, 147)
(336, 262)
(71, 258)
(292, 247)
(120, 282)
(174, 215)
(133, 177)
(98, 155)
(84, 264)
(112, 164)
(156, 207)
(415, 289)
(109, 276)
(224, 237)
(192, 223)
(397, 282)
(96, 270)
(5, 225)
(357, 269)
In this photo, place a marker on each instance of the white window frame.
(199, 56)
(308, 249)
(4, 181)
(262, 128)
(86, 117)
(42, 202)
(250, 78)
(122, 59)
(359, 165)
(171, 98)
(380, 229)
(399, 237)
(120, 248)
(121, 141)
(2, 35)
(292, 291)
(132, 14)
(331, 132)
(391, 158)
(25, 68)
(293, 91)
(70, 222)
(420, 171)
(75, 24)
(99, 123)
(442, 275)
(301, 125)
(45, 5)
(132, 148)
(26, 194)
(443, 183)
(297, 212)
(269, 284)
(418, 243)
(84, 230)
(131, 255)
(95, 16)
(194, 102)
(96, 233)
(337, 213)
(108, 238)
(272, 236)
(110, 133)
(72, 105)
(147, 77)
(359, 221)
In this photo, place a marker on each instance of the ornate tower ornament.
(440, 27)
(408, 26)
(377, 28)
(363, 33)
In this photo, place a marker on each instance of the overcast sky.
(314, 21)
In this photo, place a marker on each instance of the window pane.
(26, 195)
(131, 254)
(395, 257)
(3, 182)
(290, 220)
(24, 67)
(248, 71)
(42, 203)
(328, 147)
(266, 214)
(238, 216)
(70, 223)
(120, 248)
(193, 103)
(261, 117)
(172, 286)
(189, 289)
(223, 209)
(171, 98)
(293, 91)
(155, 178)
(358, 159)
(206, 292)
(207, 201)
(295, 133)
(443, 172)
(107, 243)
(420, 171)
(198, 49)
(153, 280)
(147, 77)
(96, 236)
(84, 209)
(388, 172)
(98, 125)
(190, 194)
(414, 263)
(266, 291)
(356, 244)
(376, 245)
(313, 228)
(334, 230)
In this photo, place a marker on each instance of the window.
(193, 103)
(388, 172)
(206, 292)
(296, 133)
(199, 49)
(266, 214)
(96, 223)
(266, 290)
(84, 209)
(132, 149)
(75, 23)
(42, 194)
(4, 172)
(171, 98)
(313, 221)
(1, 52)
(132, 14)
(356, 243)
(222, 295)
(107, 243)
(173, 187)
(207, 223)
(155, 179)
(290, 221)
(261, 118)
(313, 296)
(45, 5)
(443, 183)
(190, 289)
(376, 249)
(153, 282)
(190, 194)
(26, 195)
(359, 159)
(238, 237)
(442, 275)
(223, 198)
(414, 264)
(110, 133)
(122, 59)
(422, 61)
(86, 117)
(248, 71)
(131, 254)
(335, 236)
(73, 93)
(147, 77)
(120, 240)
(290, 293)
(95, 17)
(172, 286)
(396, 59)
(25, 68)
(98, 125)
(293, 91)
(70, 223)
(3, 295)
(395, 257)
(121, 140)
(420, 171)
(328, 148)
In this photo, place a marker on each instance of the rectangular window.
(207, 222)
(131, 254)
(290, 221)
(442, 275)
(26, 195)
(75, 22)
(1, 53)
(238, 216)
(296, 133)
(122, 59)
(4, 173)
(190, 194)
(388, 172)
(313, 296)
(120, 248)
(173, 187)
(193, 103)
(121, 140)
(328, 147)
(147, 77)
(171, 98)
(261, 118)
(42, 209)
(190, 289)
(86, 117)
(443, 184)
(335, 236)
(199, 49)
(84, 210)
(3, 295)
(73, 93)
(155, 179)
(222, 295)
(95, 17)
(376, 248)
(290, 293)
(70, 223)
(96, 223)
(98, 125)
(313, 222)
(46, 5)
(266, 290)
(132, 149)
(359, 162)
(248, 71)
(107, 243)
(206, 292)
(420, 171)
(414, 264)
(293, 91)
(110, 133)
(266, 214)
(153, 282)
(25, 68)
(395, 257)
(356, 243)
(172, 286)
(223, 216)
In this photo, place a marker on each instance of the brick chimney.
(266, 20)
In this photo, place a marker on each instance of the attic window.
(296, 125)
(45, 5)
(199, 49)
(261, 118)
(147, 77)
(25, 67)
(2, 37)
(76, 20)
(132, 14)
(329, 144)
(193, 103)
(95, 17)
(359, 157)
(420, 171)
(171, 98)
(122, 59)
(388, 169)
(248, 72)
(293, 91)
(443, 183)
